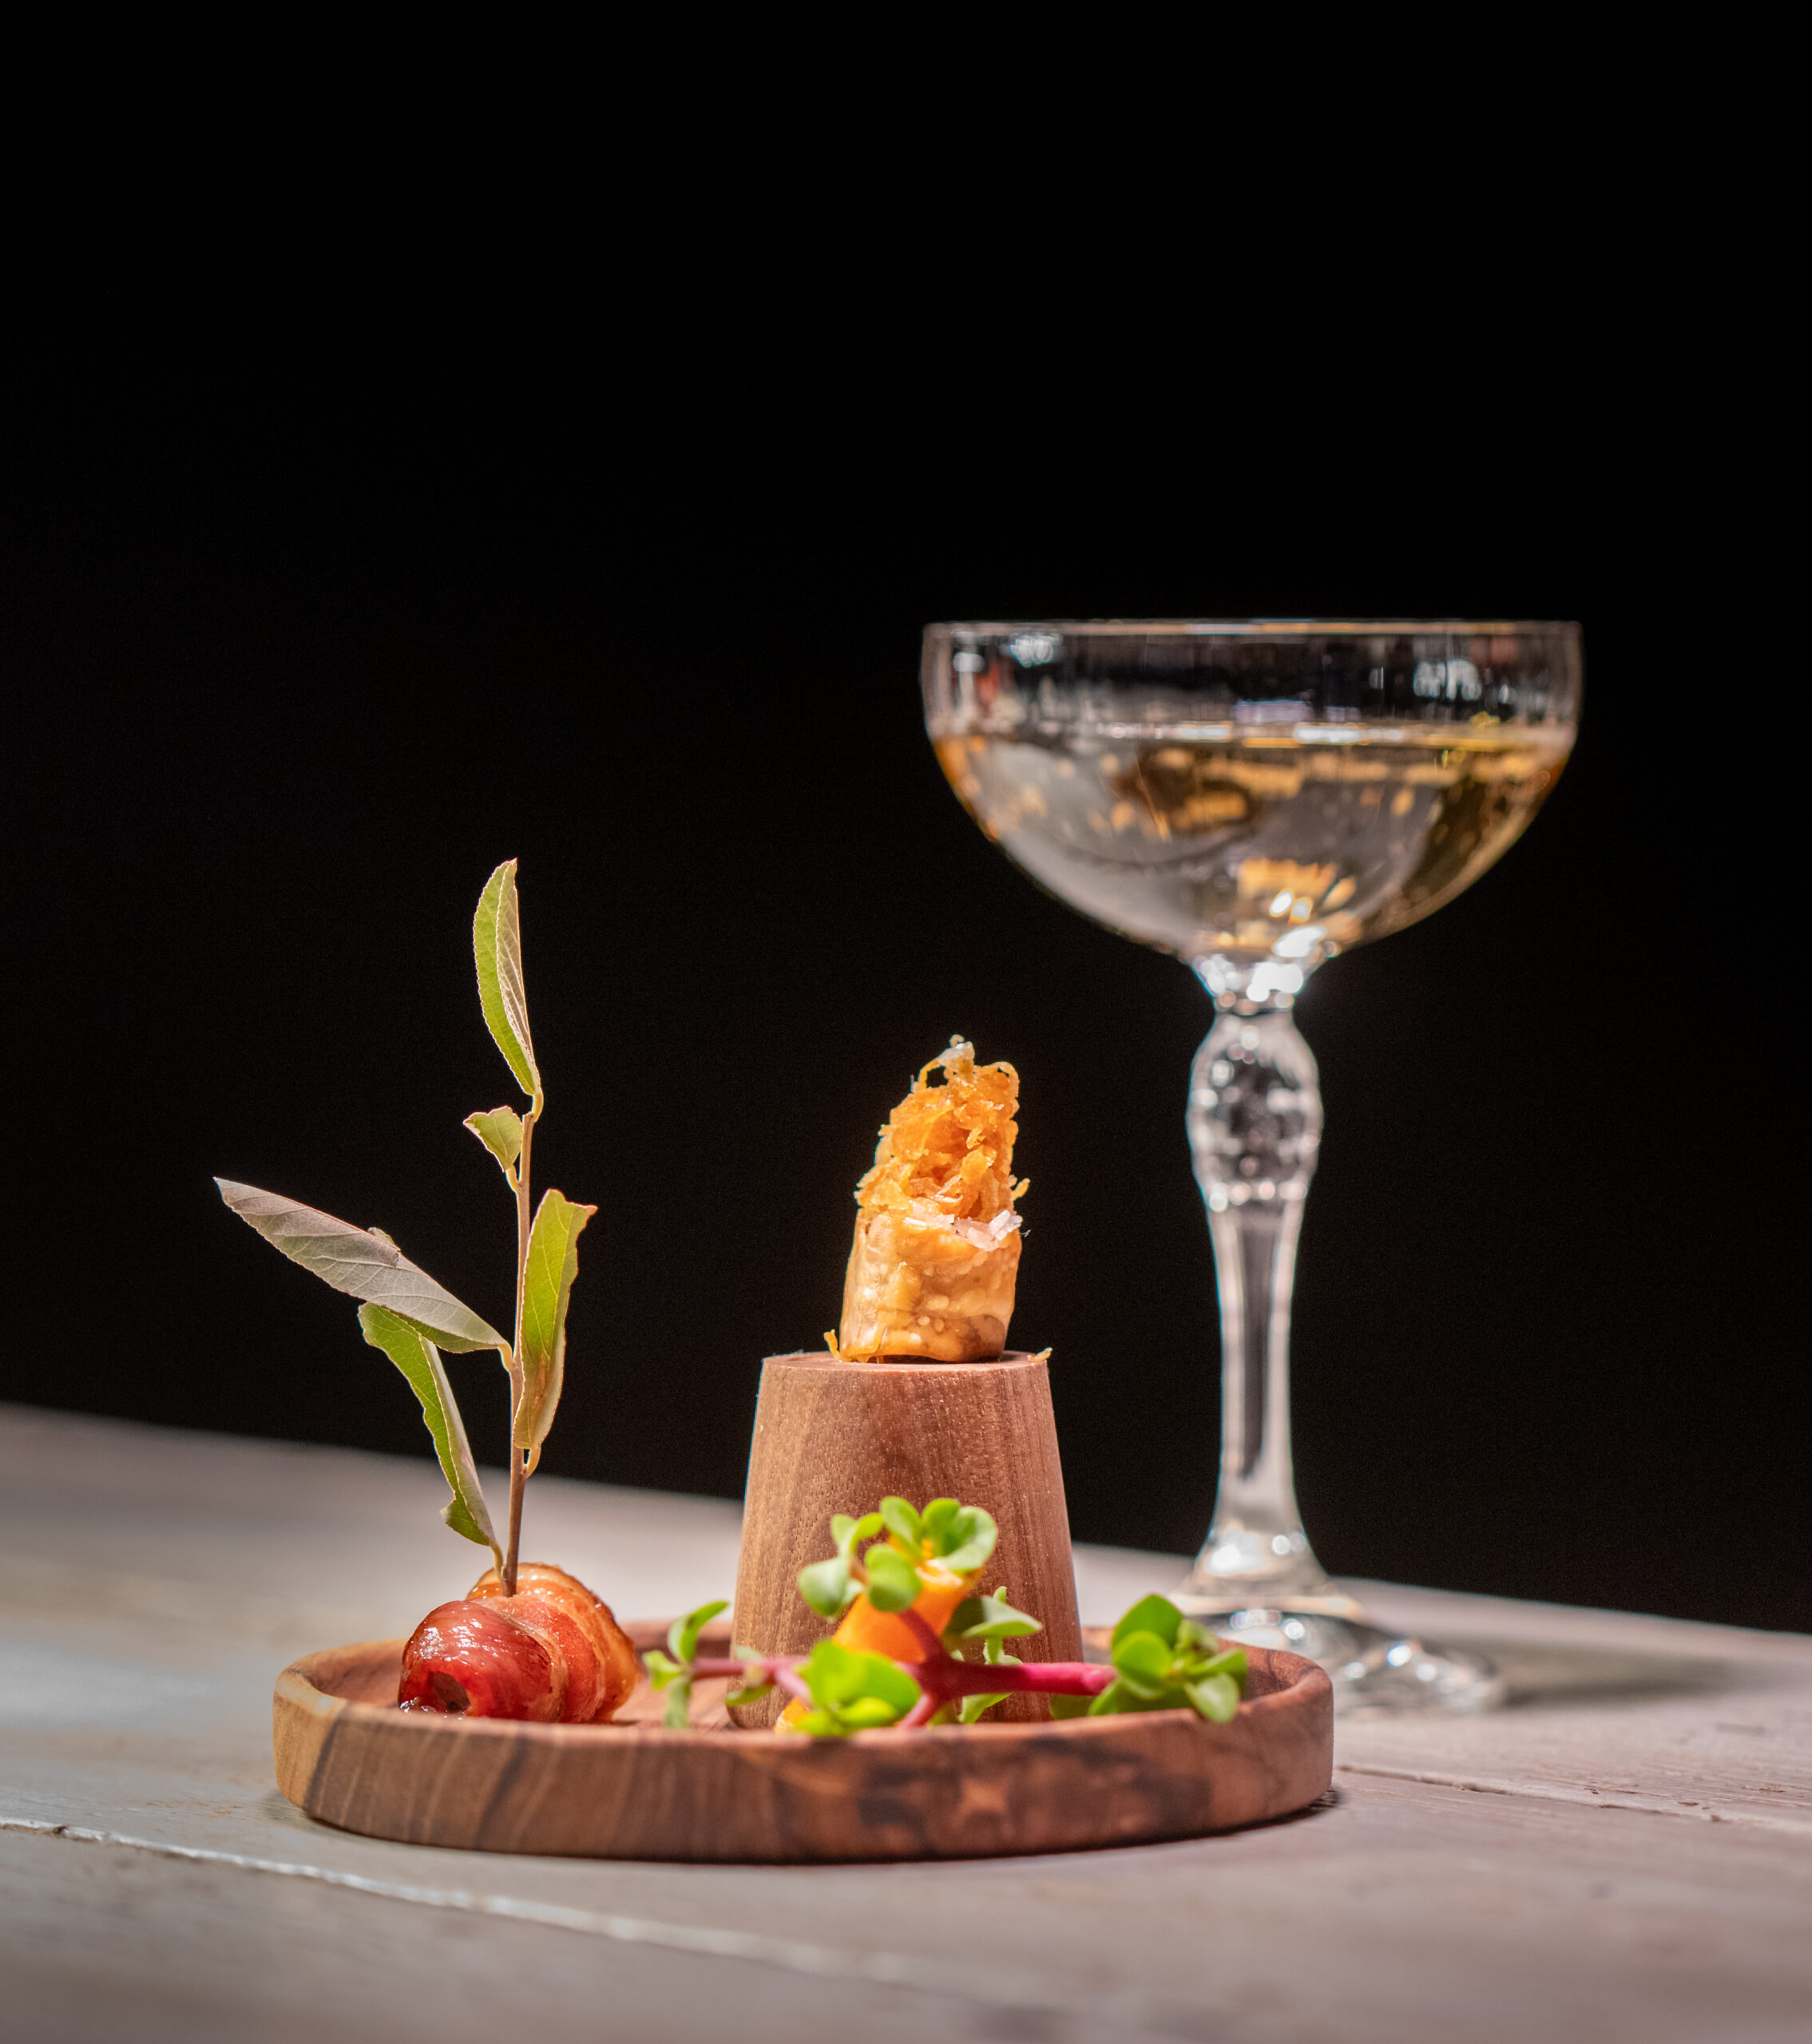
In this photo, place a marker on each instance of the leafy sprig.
(405, 1314)
(1163, 1661)
(959, 1538)
(1160, 1659)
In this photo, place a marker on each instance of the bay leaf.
(501, 1132)
(497, 950)
(362, 1262)
(420, 1363)
(554, 1263)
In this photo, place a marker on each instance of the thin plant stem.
(518, 1458)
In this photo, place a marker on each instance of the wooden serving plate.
(632, 1790)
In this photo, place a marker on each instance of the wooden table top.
(1624, 1853)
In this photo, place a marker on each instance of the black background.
(354, 546)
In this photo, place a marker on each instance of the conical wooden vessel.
(832, 1436)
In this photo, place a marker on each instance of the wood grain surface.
(634, 1790)
(832, 1436)
(1619, 1857)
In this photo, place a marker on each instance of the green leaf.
(1155, 1614)
(753, 1693)
(973, 1706)
(827, 1587)
(363, 1262)
(845, 1531)
(1143, 1660)
(554, 1263)
(937, 1515)
(1216, 1696)
(869, 1714)
(840, 1677)
(1120, 1697)
(501, 1132)
(419, 1361)
(972, 1534)
(497, 950)
(821, 1725)
(893, 1582)
(677, 1715)
(1232, 1662)
(903, 1519)
(1069, 1706)
(683, 1634)
(660, 1670)
(989, 1618)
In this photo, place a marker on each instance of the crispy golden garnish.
(936, 1240)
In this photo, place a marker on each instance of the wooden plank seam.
(1592, 1798)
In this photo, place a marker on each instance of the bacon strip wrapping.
(552, 1655)
(936, 1256)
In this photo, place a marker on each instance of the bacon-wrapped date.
(553, 1654)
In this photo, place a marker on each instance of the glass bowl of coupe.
(1256, 798)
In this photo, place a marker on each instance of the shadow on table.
(1537, 1674)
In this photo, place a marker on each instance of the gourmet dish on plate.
(919, 1638)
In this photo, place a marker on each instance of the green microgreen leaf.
(893, 1582)
(902, 1520)
(547, 1287)
(828, 1587)
(845, 1531)
(937, 1515)
(1069, 1706)
(683, 1634)
(821, 1725)
(1216, 1696)
(660, 1670)
(971, 1533)
(1143, 1661)
(750, 1693)
(854, 1692)
(363, 1262)
(501, 1132)
(1117, 1697)
(419, 1361)
(989, 1618)
(678, 1715)
(497, 950)
(1153, 1615)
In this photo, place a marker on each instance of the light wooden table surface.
(1625, 1853)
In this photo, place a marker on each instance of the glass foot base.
(1375, 1671)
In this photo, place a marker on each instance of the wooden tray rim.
(295, 1686)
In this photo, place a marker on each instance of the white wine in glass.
(1256, 798)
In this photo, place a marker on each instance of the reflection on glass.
(1255, 798)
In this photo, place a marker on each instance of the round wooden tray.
(632, 1790)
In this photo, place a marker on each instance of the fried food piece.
(936, 1255)
(552, 1655)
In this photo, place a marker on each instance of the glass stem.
(1255, 1127)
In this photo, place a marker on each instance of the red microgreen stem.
(941, 1676)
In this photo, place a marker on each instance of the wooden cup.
(832, 1436)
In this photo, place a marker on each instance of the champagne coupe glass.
(1256, 797)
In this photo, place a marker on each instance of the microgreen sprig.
(1160, 1660)
(959, 1537)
